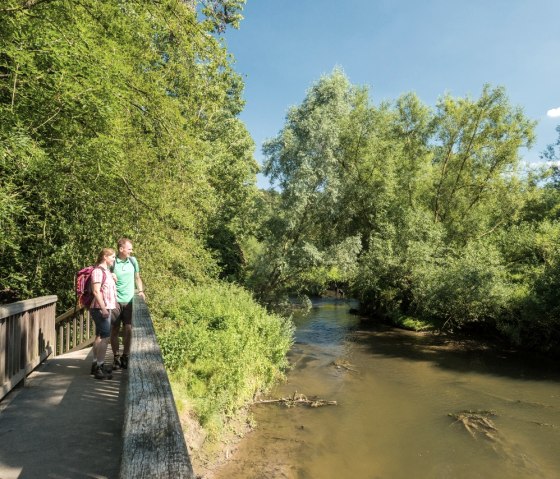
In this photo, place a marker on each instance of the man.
(127, 274)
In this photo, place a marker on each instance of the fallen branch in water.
(296, 399)
(343, 364)
(477, 422)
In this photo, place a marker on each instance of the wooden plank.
(69, 314)
(11, 383)
(3, 349)
(74, 331)
(82, 345)
(24, 320)
(154, 445)
(88, 323)
(27, 337)
(46, 334)
(67, 334)
(21, 306)
(13, 347)
(60, 339)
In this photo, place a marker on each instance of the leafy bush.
(222, 347)
(469, 286)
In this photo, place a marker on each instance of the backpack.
(84, 291)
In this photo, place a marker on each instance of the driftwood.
(477, 422)
(343, 364)
(297, 399)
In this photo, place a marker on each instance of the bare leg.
(94, 347)
(115, 340)
(101, 349)
(127, 338)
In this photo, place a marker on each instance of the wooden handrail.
(26, 305)
(27, 337)
(153, 440)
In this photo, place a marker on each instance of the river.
(409, 405)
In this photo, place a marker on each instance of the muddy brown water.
(395, 391)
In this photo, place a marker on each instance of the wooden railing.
(27, 337)
(153, 441)
(74, 330)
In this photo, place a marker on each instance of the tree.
(117, 118)
(476, 163)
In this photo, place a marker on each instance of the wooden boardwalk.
(63, 423)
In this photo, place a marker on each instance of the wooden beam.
(153, 440)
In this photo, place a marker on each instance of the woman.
(105, 299)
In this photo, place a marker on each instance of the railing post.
(71, 335)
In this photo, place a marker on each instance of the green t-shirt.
(125, 271)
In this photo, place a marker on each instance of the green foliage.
(119, 118)
(412, 324)
(221, 346)
(465, 288)
(475, 159)
(448, 227)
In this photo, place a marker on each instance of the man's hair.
(122, 242)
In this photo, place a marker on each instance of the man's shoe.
(116, 362)
(93, 367)
(124, 362)
(100, 373)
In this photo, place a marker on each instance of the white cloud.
(554, 113)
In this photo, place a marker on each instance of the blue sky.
(430, 47)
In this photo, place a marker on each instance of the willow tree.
(304, 161)
(477, 162)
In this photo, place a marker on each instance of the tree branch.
(14, 89)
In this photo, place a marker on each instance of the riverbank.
(208, 456)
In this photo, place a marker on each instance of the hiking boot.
(124, 362)
(108, 370)
(93, 367)
(100, 373)
(116, 362)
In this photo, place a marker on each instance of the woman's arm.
(99, 297)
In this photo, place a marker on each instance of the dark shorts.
(102, 325)
(122, 313)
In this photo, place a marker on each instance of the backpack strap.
(134, 262)
(103, 277)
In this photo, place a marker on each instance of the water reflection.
(393, 418)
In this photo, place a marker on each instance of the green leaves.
(118, 118)
(223, 347)
(432, 206)
(476, 160)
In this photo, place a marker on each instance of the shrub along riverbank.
(221, 349)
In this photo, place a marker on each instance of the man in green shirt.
(127, 274)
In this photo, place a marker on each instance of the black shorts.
(122, 313)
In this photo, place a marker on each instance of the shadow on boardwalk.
(63, 423)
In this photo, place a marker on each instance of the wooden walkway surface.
(63, 423)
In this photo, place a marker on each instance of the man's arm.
(139, 285)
